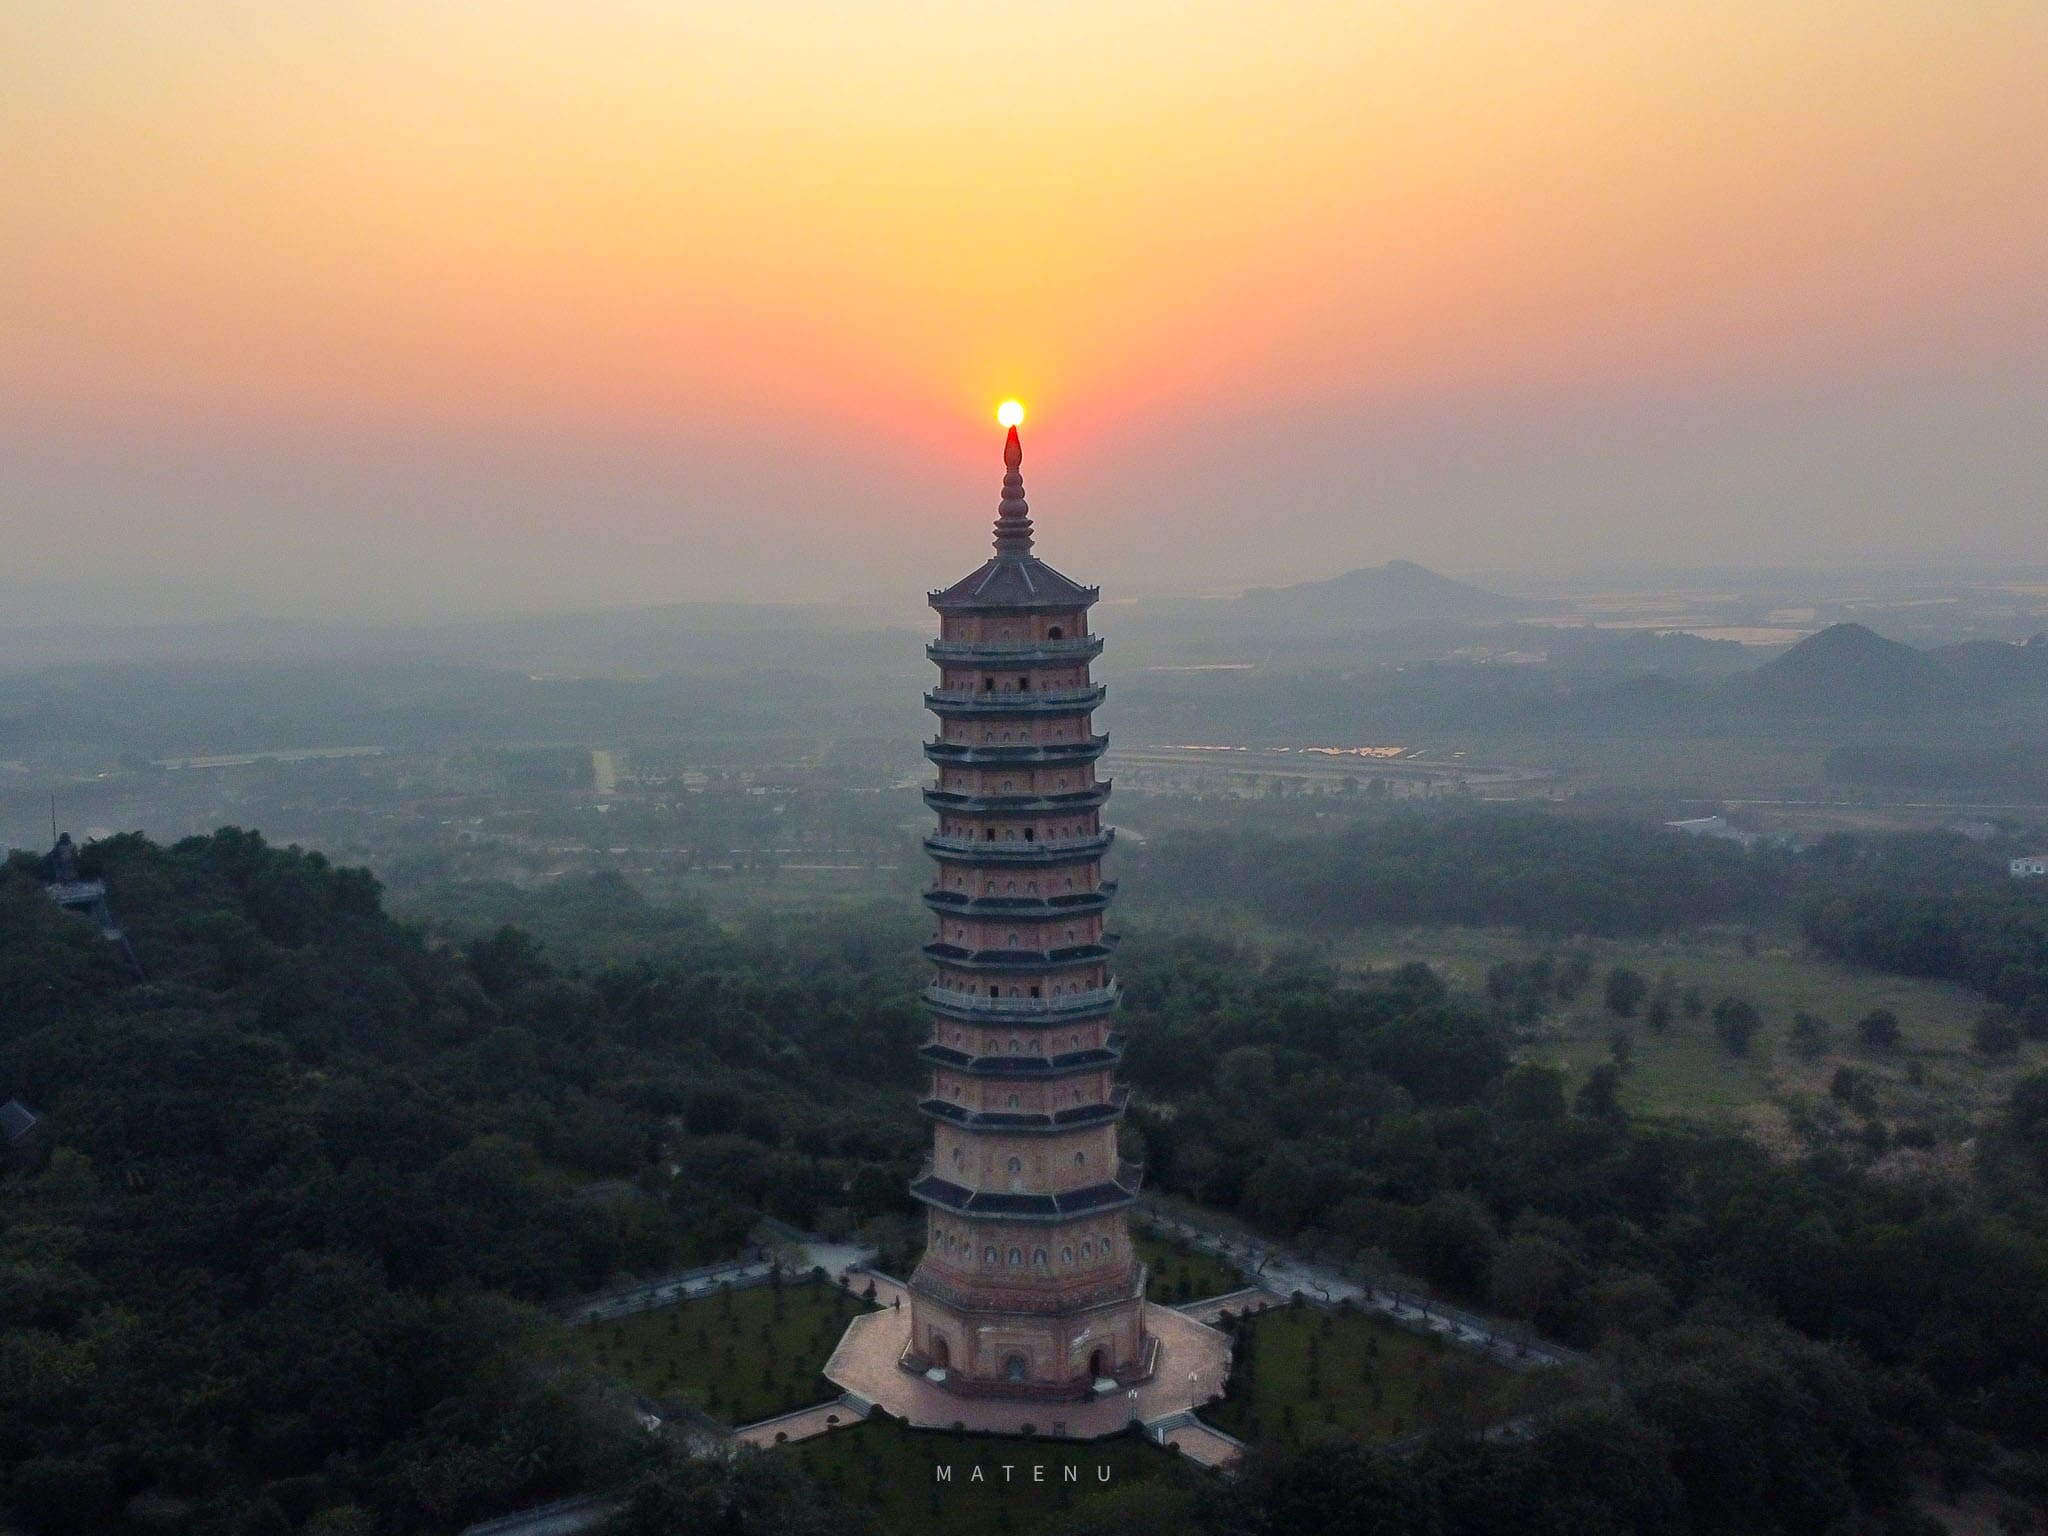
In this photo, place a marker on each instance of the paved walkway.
(1201, 1443)
(804, 1424)
(1283, 1272)
(567, 1517)
(685, 1285)
(1253, 1298)
(1192, 1364)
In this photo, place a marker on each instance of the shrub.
(1809, 1035)
(1736, 1023)
(1879, 1029)
(1625, 992)
(1995, 1033)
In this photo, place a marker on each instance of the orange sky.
(406, 231)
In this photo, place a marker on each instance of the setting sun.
(1010, 413)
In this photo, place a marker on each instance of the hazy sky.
(390, 306)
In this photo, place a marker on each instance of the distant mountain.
(1849, 670)
(1383, 597)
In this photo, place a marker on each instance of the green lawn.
(891, 1470)
(1178, 1273)
(1684, 1072)
(740, 1355)
(1306, 1374)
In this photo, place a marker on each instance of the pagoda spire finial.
(1013, 517)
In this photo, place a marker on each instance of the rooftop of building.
(1014, 578)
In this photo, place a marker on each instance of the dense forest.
(307, 1182)
(1995, 941)
(1384, 1122)
(1534, 868)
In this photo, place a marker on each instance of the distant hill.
(1382, 597)
(1848, 669)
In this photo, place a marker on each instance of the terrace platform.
(1191, 1365)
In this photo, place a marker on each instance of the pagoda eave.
(1018, 805)
(1022, 1012)
(1066, 1064)
(1019, 960)
(1036, 908)
(964, 706)
(1017, 1122)
(1015, 653)
(961, 754)
(967, 850)
(1091, 1201)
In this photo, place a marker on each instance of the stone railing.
(1019, 847)
(1089, 693)
(975, 650)
(1013, 1007)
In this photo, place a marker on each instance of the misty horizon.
(420, 315)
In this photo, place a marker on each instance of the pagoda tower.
(1029, 1286)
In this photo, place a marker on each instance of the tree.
(1573, 972)
(1195, 1165)
(1457, 1241)
(1809, 1035)
(1736, 1023)
(1244, 1078)
(1532, 1094)
(1625, 992)
(1879, 1030)
(750, 1493)
(1282, 1189)
(1327, 1490)
(1995, 1033)
(1530, 1272)
(1599, 1096)
(2034, 1016)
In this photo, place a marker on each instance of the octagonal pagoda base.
(1190, 1362)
